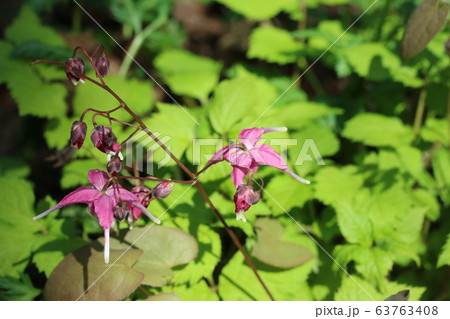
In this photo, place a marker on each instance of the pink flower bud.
(244, 198)
(75, 70)
(104, 139)
(162, 190)
(78, 133)
(114, 165)
(121, 212)
(102, 66)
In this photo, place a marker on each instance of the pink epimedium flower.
(144, 195)
(101, 201)
(244, 198)
(246, 157)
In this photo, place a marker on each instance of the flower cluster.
(245, 158)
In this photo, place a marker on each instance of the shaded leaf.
(423, 25)
(260, 9)
(164, 248)
(444, 257)
(83, 275)
(13, 289)
(271, 250)
(402, 295)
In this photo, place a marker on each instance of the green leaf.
(415, 292)
(196, 292)
(22, 289)
(164, 248)
(14, 167)
(376, 62)
(260, 9)
(236, 98)
(355, 226)
(83, 275)
(300, 114)
(173, 127)
(377, 130)
(324, 139)
(35, 97)
(356, 289)
(333, 184)
(435, 130)
(17, 229)
(137, 94)
(286, 192)
(75, 173)
(274, 45)
(423, 25)
(238, 282)
(374, 264)
(444, 257)
(187, 73)
(272, 250)
(441, 171)
(27, 27)
(423, 199)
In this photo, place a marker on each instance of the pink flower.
(244, 198)
(143, 194)
(101, 202)
(246, 157)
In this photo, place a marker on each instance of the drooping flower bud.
(78, 133)
(121, 211)
(104, 139)
(162, 190)
(75, 70)
(244, 198)
(114, 165)
(102, 66)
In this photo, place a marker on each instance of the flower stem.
(419, 112)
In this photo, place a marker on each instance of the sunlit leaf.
(444, 257)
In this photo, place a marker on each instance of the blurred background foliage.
(377, 111)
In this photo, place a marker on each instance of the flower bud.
(78, 133)
(114, 165)
(162, 190)
(244, 198)
(121, 212)
(75, 70)
(104, 139)
(102, 66)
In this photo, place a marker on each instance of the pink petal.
(98, 178)
(300, 179)
(250, 136)
(222, 154)
(125, 196)
(265, 155)
(238, 157)
(237, 176)
(84, 195)
(103, 207)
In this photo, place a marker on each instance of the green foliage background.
(379, 207)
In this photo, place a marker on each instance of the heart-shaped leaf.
(271, 250)
(83, 275)
(164, 248)
(423, 25)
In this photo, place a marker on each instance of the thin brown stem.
(155, 179)
(234, 239)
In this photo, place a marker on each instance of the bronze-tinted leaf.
(271, 250)
(423, 25)
(164, 248)
(166, 296)
(399, 296)
(83, 275)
